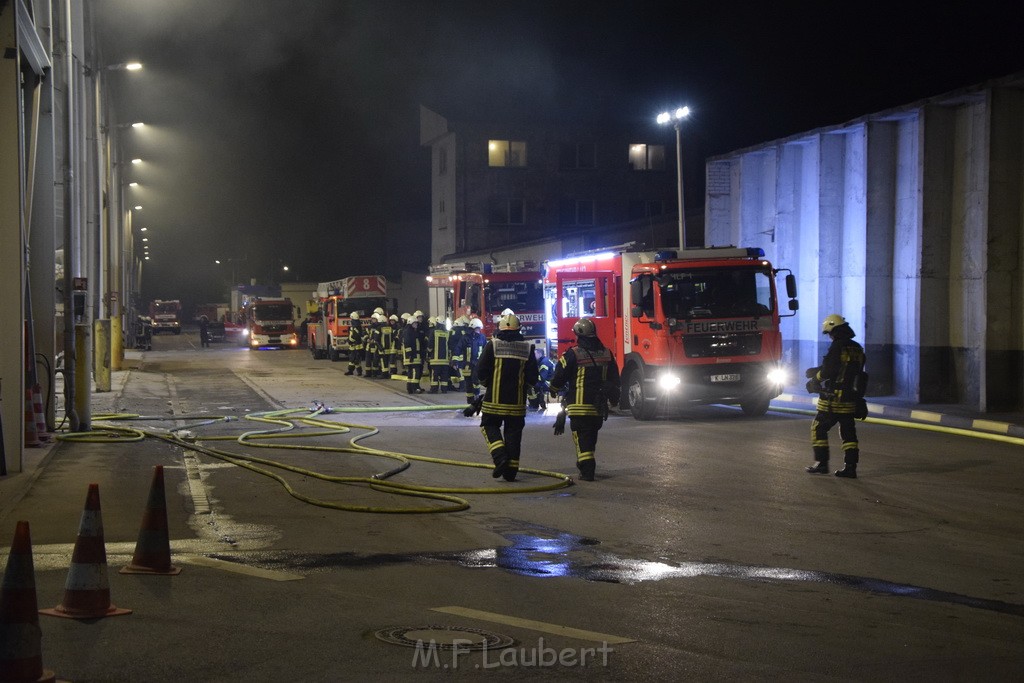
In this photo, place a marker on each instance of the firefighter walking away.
(507, 368)
(589, 377)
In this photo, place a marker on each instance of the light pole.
(676, 118)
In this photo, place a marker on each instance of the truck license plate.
(725, 378)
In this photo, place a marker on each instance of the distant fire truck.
(485, 291)
(270, 322)
(166, 315)
(700, 326)
(327, 332)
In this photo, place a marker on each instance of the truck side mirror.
(794, 305)
(636, 296)
(791, 286)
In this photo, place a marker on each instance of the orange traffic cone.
(153, 549)
(21, 650)
(31, 433)
(86, 592)
(39, 413)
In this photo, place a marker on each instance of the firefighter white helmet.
(476, 324)
(507, 311)
(508, 322)
(585, 327)
(431, 321)
(461, 320)
(379, 310)
(418, 314)
(393, 318)
(832, 322)
(406, 316)
(355, 315)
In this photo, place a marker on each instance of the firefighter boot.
(820, 467)
(587, 469)
(511, 470)
(350, 371)
(359, 370)
(500, 458)
(849, 471)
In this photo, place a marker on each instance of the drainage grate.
(444, 638)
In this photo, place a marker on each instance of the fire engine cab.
(696, 327)
(327, 332)
(485, 290)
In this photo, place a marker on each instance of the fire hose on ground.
(446, 499)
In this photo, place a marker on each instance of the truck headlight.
(777, 376)
(668, 381)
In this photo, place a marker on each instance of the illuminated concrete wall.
(909, 223)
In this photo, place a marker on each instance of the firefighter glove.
(811, 373)
(813, 386)
(474, 407)
(560, 423)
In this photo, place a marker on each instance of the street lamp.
(676, 118)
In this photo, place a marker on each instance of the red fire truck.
(270, 321)
(166, 315)
(484, 292)
(696, 327)
(327, 333)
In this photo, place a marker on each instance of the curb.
(917, 415)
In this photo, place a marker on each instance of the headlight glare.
(669, 381)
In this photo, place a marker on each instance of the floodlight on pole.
(676, 118)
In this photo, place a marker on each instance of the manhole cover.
(444, 637)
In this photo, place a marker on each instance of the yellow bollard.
(101, 351)
(116, 343)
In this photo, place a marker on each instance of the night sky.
(286, 132)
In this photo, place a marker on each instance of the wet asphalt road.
(702, 551)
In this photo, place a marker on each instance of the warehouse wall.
(909, 223)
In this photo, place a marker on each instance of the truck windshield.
(363, 306)
(521, 297)
(166, 307)
(272, 312)
(715, 293)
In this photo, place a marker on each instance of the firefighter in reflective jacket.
(437, 355)
(387, 344)
(372, 345)
(507, 368)
(457, 338)
(412, 356)
(355, 346)
(840, 383)
(589, 377)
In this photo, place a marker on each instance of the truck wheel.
(755, 407)
(636, 397)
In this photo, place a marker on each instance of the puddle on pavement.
(545, 553)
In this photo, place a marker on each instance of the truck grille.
(721, 345)
(274, 329)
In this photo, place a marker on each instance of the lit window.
(647, 157)
(506, 153)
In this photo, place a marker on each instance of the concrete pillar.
(83, 378)
(1004, 365)
(907, 262)
(935, 353)
(879, 253)
(831, 174)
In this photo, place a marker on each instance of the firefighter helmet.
(508, 322)
(585, 327)
(507, 311)
(379, 310)
(431, 321)
(355, 315)
(418, 314)
(476, 324)
(393, 318)
(832, 322)
(406, 316)
(461, 320)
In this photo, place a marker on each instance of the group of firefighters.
(501, 376)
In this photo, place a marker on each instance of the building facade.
(496, 187)
(910, 223)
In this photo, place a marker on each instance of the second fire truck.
(696, 327)
(327, 332)
(474, 290)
